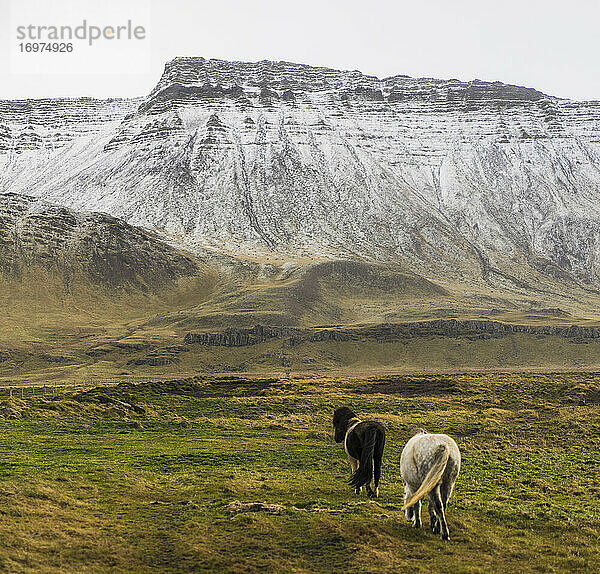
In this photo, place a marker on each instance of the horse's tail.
(433, 476)
(364, 474)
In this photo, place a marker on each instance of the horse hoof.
(445, 537)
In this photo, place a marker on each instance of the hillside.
(69, 279)
(281, 195)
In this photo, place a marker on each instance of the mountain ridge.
(216, 70)
(475, 181)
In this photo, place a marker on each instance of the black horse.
(363, 442)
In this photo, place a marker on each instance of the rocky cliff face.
(233, 337)
(50, 124)
(474, 181)
(91, 246)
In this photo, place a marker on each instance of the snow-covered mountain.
(477, 180)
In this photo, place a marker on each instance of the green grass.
(86, 486)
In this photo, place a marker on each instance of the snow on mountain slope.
(467, 180)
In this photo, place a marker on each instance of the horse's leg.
(409, 513)
(446, 490)
(353, 464)
(433, 520)
(438, 508)
(412, 513)
(353, 467)
(377, 472)
(417, 515)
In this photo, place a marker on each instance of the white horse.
(429, 464)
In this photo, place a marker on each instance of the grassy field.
(52, 332)
(129, 358)
(89, 484)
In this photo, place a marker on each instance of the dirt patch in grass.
(234, 386)
(237, 507)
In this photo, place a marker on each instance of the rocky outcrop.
(386, 332)
(51, 124)
(232, 337)
(175, 95)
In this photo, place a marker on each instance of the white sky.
(546, 44)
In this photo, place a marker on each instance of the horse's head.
(341, 417)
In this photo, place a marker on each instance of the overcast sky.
(550, 45)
